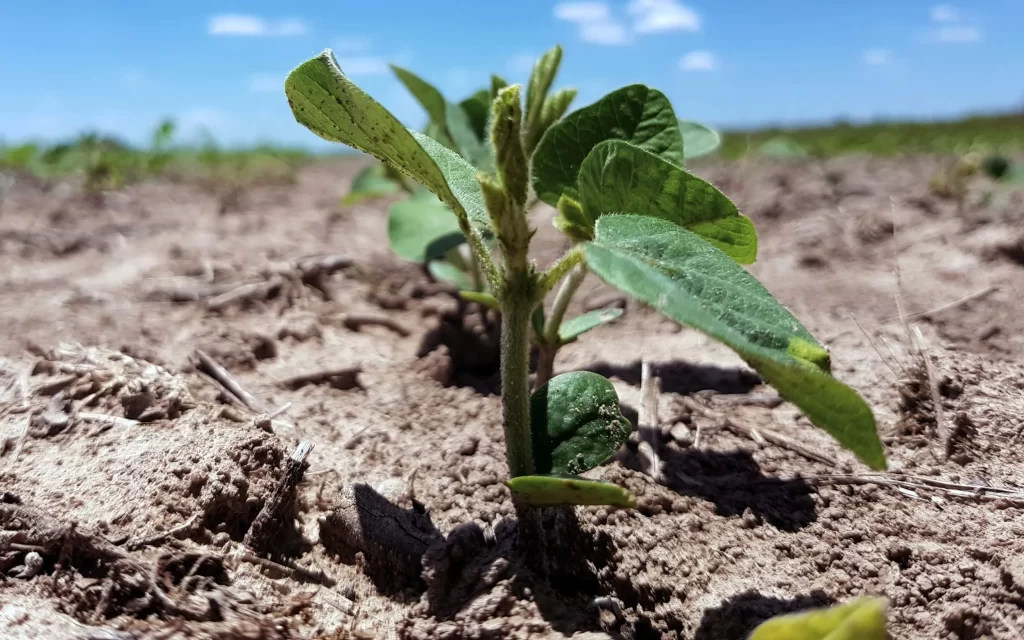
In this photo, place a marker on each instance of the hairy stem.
(557, 271)
(561, 304)
(515, 383)
(545, 364)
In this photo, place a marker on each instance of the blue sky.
(120, 66)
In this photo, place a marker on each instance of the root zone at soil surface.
(159, 373)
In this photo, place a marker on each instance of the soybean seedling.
(636, 218)
(423, 229)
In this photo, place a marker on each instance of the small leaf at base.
(371, 182)
(447, 272)
(571, 329)
(546, 491)
(421, 229)
(861, 619)
(576, 423)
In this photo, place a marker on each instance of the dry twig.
(648, 422)
(212, 368)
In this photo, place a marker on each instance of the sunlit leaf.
(333, 107)
(689, 280)
(636, 114)
(862, 619)
(546, 491)
(618, 177)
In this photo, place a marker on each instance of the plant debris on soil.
(263, 425)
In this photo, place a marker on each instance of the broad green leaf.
(546, 491)
(541, 79)
(571, 329)
(422, 228)
(429, 97)
(333, 107)
(478, 107)
(698, 140)
(576, 423)
(447, 272)
(636, 114)
(481, 298)
(782, 148)
(689, 280)
(477, 152)
(619, 178)
(861, 619)
(371, 182)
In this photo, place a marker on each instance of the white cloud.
(363, 65)
(595, 22)
(604, 32)
(231, 24)
(266, 83)
(957, 34)
(582, 11)
(945, 13)
(698, 61)
(651, 16)
(352, 44)
(877, 57)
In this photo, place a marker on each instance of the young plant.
(860, 619)
(636, 218)
(423, 229)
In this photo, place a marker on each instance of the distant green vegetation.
(104, 162)
(1003, 133)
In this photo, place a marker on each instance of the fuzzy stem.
(515, 384)
(557, 271)
(561, 304)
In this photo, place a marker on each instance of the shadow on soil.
(733, 481)
(686, 378)
(736, 617)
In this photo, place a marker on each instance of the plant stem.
(561, 304)
(515, 383)
(557, 271)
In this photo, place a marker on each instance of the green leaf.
(429, 97)
(861, 619)
(439, 133)
(477, 108)
(480, 298)
(571, 329)
(469, 146)
(554, 108)
(497, 84)
(698, 140)
(619, 178)
(333, 107)
(541, 79)
(421, 229)
(689, 280)
(546, 491)
(371, 182)
(782, 148)
(447, 272)
(576, 423)
(636, 114)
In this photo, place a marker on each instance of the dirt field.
(156, 523)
